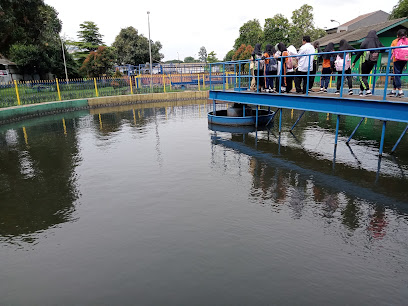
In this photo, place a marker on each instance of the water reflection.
(38, 160)
(38, 186)
(304, 185)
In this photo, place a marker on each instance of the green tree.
(303, 24)
(26, 22)
(228, 56)
(29, 36)
(212, 57)
(249, 34)
(202, 54)
(276, 30)
(99, 62)
(400, 10)
(132, 48)
(89, 40)
(89, 36)
(190, 59)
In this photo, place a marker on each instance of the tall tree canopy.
(89, 39)
(280, 29)
(26, 22)
(250, 33)
(89, 36)
(212, 57)
(132, 48)
(276, 30)
(400, 10)
(202, 54)
(29, 36)
(303, 24)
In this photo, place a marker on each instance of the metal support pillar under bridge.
(356, 106)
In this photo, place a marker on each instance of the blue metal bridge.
(377, 106)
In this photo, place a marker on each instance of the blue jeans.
(324, 83)
(398, 68)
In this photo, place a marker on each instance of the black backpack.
(273, 64)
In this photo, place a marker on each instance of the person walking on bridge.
(327, 68)
(271, 67)
(259, 66)
(369, 60)
(400, 57)
(286, 68)
(344, 45)
(316, 45)
(305, 64)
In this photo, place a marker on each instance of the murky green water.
(148, 205)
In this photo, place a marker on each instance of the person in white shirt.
(304, 64)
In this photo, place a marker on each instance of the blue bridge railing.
(237, 74)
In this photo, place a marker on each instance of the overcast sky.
(184, 26)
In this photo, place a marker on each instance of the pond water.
(149, 205)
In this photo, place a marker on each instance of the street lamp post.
(332, 20)
(65, 63)
(150, 51)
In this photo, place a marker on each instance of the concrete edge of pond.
(22, 112)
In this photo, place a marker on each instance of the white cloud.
(184, 26)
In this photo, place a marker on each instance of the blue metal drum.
(221, 118)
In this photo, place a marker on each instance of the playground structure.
(170, 68)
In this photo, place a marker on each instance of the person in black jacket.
(271, 67)
(369, 60)
(344, 45)
(259, 64)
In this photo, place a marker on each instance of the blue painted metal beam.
(399, 140)
(297, 121)
(382, 110)
(355, 130)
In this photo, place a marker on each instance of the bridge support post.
(355, 130)
(273, 116)
(256, 119)
(382, 138)
(280, 121)
(297, 121)
(337, 130)
(399, 140)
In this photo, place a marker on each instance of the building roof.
(357, 19)
(356, 36)
(5, 61)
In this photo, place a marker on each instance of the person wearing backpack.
(259, 64)
(305, 64)
(401, 57)
(286, 68)
(271, 65)
(393, 92)
(344, 45)
(369, 60)
(327, 67)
